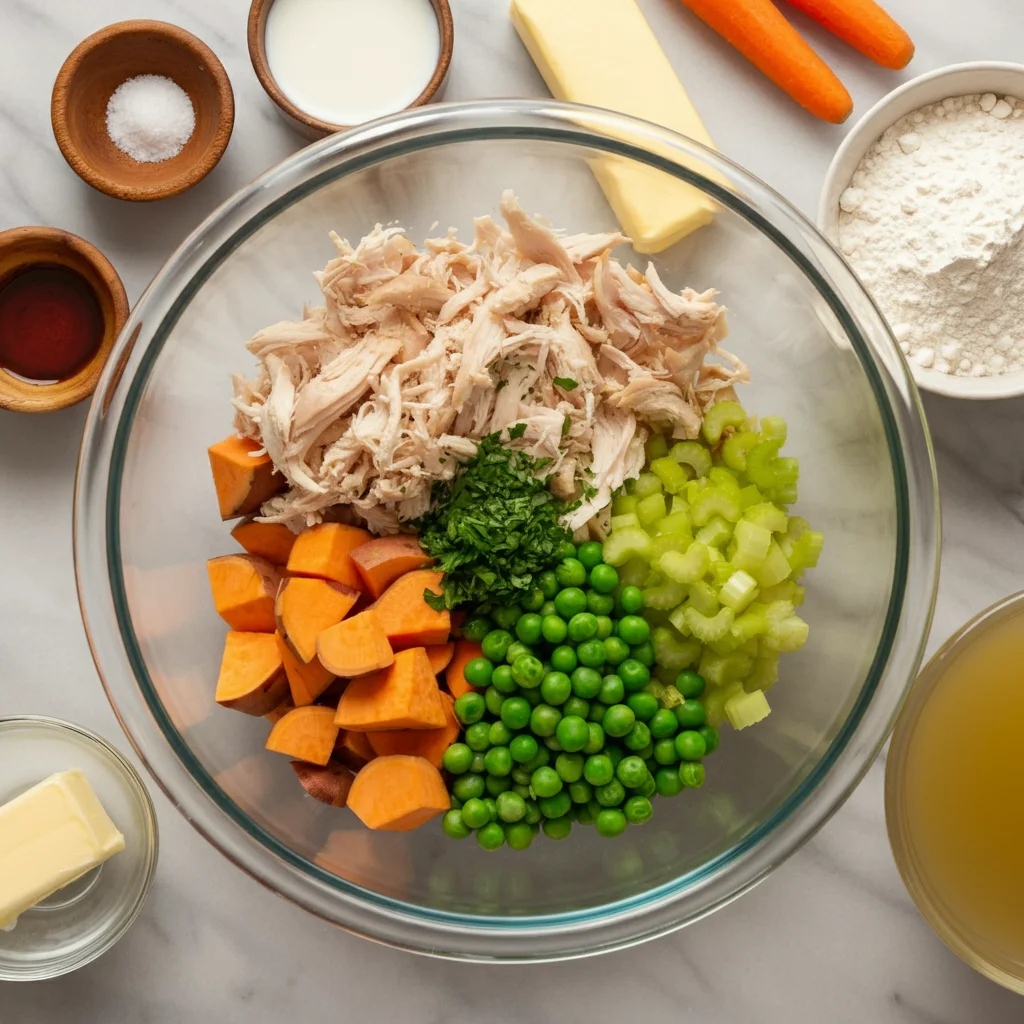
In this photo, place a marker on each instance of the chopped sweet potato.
(306, 607)
(428, 743)
(325, 551)
(282, 709)
(455, 674)
(382, 560)
(440, 655)
(407, 619)
(398, 793)
(243, 589)
(243, 480)
(353, 748)
(272, 541)
(307, 680)
(355, 646)
(252, 678)
(403, 696)
(329, 783)
(307, 734)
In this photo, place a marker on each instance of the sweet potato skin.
(382, 560)
(353, 748)
(243, 481)
(355, 646)
(325, 551)
(426, 743)
(398, 793)
(329, 783)
(272, 541)
(252, 677)
(407, 619)
(403, 696)
(306, 734)
(243, 588)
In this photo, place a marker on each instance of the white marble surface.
(831, 936)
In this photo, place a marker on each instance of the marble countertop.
(830, 936)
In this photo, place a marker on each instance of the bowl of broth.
(955, 797)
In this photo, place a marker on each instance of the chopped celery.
(694, 455)
(704, 599)
(720, 416)
(669, 542)
(738, 591)
(773, 428)
(735, 448)
(635, 572)
(670, 473)
(753, 543)
(677, 503)
(673, 651)
(627, 519)
(749, 495)
(770, 516)
(676, 523)
(725, 646)
(646, 483)
(775, 567)
(683, 568)
(786, 495)
(623, 503)
(656, 447)
(716, 533)
(693, 488)
(746, 709)
(753, 622)
(650, 509)
(703, 628)
(795, 529)
(765, 673)
(720, 570)
(722, 669)
(665, 693)
(806, 551)
(715, 501)
(761, 464)
(787, 590)
(664, 595)
(622, 545)
(726, 479)
(714, 702)
(788, 635)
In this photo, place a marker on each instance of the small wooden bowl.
(313, 127)
(23, 247)
(98, 65)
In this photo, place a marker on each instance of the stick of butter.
(603, 53)
(49, 836)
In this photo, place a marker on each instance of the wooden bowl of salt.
(142, 110)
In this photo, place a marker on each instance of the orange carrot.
(774, 47)
(865, 26)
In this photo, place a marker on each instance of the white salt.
(150, 118)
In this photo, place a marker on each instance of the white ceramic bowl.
(998, 77)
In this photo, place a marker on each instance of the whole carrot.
(865, 26)
(774, 47)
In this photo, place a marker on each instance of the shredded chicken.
(416, 354)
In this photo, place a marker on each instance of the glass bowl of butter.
(78, 847)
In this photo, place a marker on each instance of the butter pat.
(603, 53)
(49, 836)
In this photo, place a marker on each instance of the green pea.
(666, 781)
(597, 769)
(582, 626)
(498, 760)
(634, 675)
(647, 751)
(563, 659)
(546, 609)
(586, 682)
(615, 754)
(496, 644)
(649, 788)
(611, 822)
(475, 813)
(644, 653)
(616, 650)
(690, 745)
(528, 628)
(553, 629)
(576, 706)
(604, 579)
(528, 671)
(545, 782)
(631, 600)
(572, 733)
(533, 600)
(515, 714)
(477, 628)
(520, 776)
(453, 825)
(492, 807)
(581, 792)
(618, 720)
(497, 784)
(613, 690)
(569, 602)
(532, 697)
(605, 627)
(522, 748)
(633, 629)
(518, 835)
(544, 720)
(638, 739)
(591, 653)
(493, 700)
(600, 604)
(478, 736)
(631, 772)
(533, 814)
(491, 837)
(502, 681)
(665, 752)
(519, 789)
(644, 706)
(556, 688)
(663, 725)
(547, 584)
(691, 774)
(551, 742)
(557, 828)
(586, 814)
(457, 759)
(470, 708)
(565, 550)
(689, 684)
(569, 767)
(711, 738)
(456, 803)
(511, 806)
(595, 738)
(499, 733)
(571, 572)
(507, 615)
(690, 714)
(611, 794)
(478, 672)
(555, 806)
(637, 810)
(517, 649)
(590, 553)
(539, 760)
(477, 766)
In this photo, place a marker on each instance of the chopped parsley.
(517, 431)
(492, 527)
(566, 383)
(566, 425)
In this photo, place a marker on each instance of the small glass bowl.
(84, 919)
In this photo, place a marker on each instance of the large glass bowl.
(146, 521)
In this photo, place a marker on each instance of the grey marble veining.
(830, 937)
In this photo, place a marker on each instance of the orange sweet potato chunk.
(407, 619)
(355, 646)
(306, 734)
(398, 793)
(307, 680)
(272, 541)
(455, 674)
(329, 783)
(243, 588)
(440, 655)
(306, 607)
(403, 696)
(426, 743)
(252, 678)
(325, 551)
(279, 712)
(243, 481)
(382, 560)
(353, 748)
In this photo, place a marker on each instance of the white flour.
(933, 222)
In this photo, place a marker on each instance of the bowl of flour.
(925, 199)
